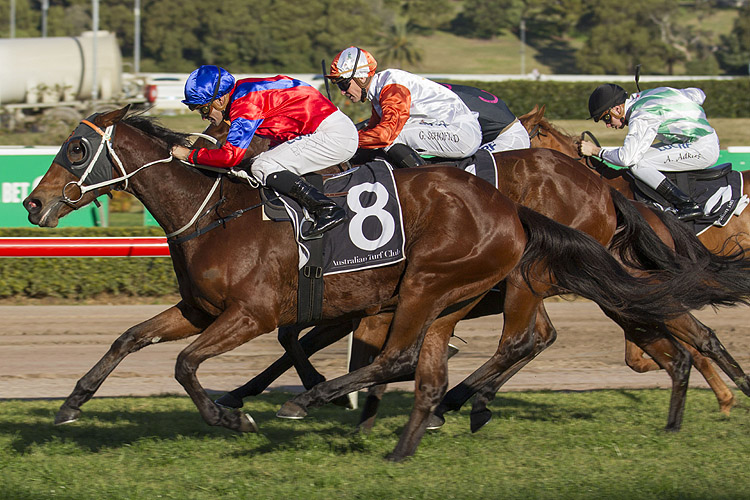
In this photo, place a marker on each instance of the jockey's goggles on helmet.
(606, 117)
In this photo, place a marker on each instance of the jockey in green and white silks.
(667, 131)
(674, 119)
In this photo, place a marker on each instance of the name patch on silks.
(373, 235)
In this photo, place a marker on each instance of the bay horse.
(546, 181)
(238, 276)
(724, 239)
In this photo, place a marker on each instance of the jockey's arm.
(641, 134)
(395, 102)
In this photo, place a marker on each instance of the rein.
(590, 161)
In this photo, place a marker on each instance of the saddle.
(718, 190)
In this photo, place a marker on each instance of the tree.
(398, 47)
(734, 50)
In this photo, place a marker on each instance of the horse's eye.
(76, 151)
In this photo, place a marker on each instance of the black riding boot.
(326, 213)
(403, 156)
(685, 208)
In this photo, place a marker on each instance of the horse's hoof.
(247, 424)
(435, 422)
(344, 402)
(67, 415)
(229, 401)
(480, 419)
(292, 411)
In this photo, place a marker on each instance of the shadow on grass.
(107, 423)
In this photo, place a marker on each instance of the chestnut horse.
(544, 134)
(238, 276)
(546, 181)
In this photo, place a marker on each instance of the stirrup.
(316, 231)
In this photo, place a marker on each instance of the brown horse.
(238, 276)
(725, 239)
(546, 181)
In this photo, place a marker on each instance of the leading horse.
(239, 280)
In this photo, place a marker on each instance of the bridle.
(105, 139)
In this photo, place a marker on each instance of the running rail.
(149, 246)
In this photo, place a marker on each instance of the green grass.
(542, 445)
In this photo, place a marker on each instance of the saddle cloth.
(373, 235)
(717, 190)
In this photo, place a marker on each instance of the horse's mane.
(548, 125)
(152, 127)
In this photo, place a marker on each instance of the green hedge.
(569, 100)
(86, 278)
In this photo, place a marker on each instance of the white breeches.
(334, 141)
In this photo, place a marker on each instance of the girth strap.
(310, 284)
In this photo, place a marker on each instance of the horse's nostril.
(32, 206)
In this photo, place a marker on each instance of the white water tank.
(59, 69)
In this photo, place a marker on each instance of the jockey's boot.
(403, 156)
(685, 208)
(325, 212)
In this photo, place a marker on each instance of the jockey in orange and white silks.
(406, 109)
(307, 133)
(667, 131)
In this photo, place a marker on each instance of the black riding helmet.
(605, 97)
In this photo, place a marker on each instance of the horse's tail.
(573, 262)
(722, 280)
(724, 269)
(636, 243)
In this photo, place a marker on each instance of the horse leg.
(289, 339)
(398, 358)
(520, 343)
(703, 338)
(544, 335)
(724, 396)
(370, 408)
(672, 357)
(177, 322)
(430, 383)
(313, 341)
(231, 329)
(634, 358)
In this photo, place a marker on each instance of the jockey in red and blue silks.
(307, 133)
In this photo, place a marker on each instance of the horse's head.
(78, 173)
(532, 118)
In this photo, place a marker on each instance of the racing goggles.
(343, 83)
(606, 117)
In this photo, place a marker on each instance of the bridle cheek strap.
(106, 138)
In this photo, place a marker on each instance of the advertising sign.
(21, 169)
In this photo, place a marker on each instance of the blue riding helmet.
(206, 84)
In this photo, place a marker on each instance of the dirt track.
(45, 349)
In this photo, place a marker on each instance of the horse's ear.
(542, 110)
(106, 119)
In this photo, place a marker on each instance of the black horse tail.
(637, 245)
(723, 280)
(725, 269)
(573, 262)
